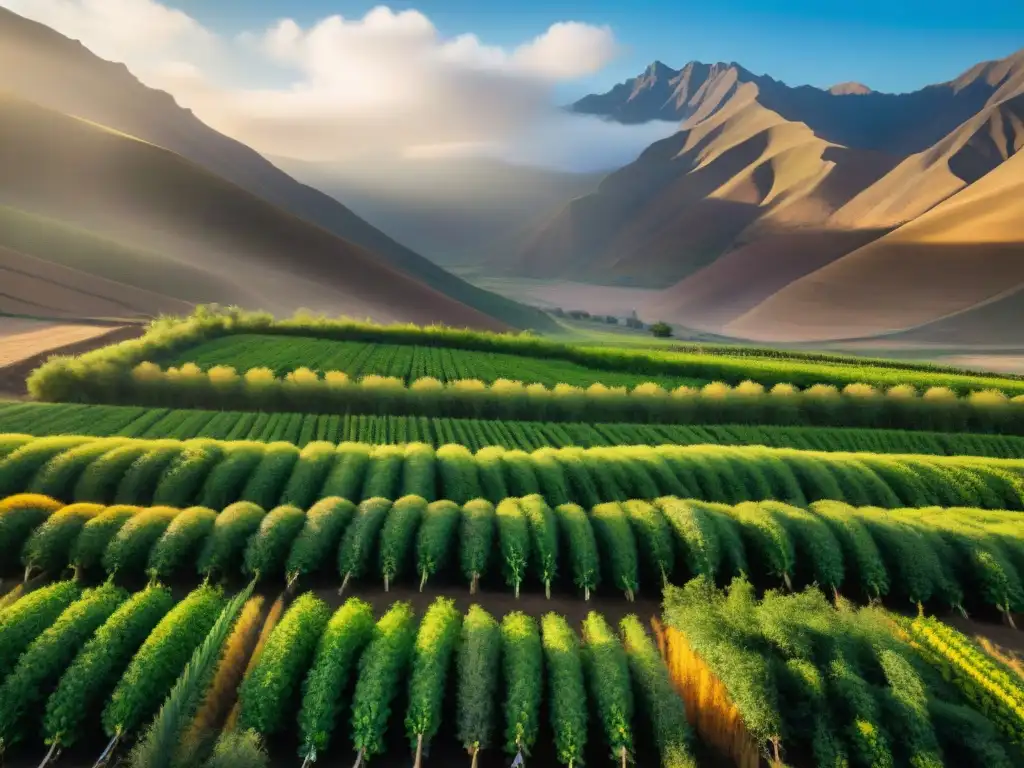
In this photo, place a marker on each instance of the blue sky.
(891, 45)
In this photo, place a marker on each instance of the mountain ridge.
(763, 187)
(40, 64)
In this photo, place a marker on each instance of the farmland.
(218, 473)
(357, 359)
(963, 559)
(300, 429)
(243, 542)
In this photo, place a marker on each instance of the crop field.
(793, 675)
(357, 359)
(237, 542)
(300, 429)
(214, 473)
(962, 559)
(184, 680)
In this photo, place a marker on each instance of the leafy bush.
(267, 690)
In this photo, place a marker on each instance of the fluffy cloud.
(388, 82)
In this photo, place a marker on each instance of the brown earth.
(72, 170)
(34, 286)
(27, 344)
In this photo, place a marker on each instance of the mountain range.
(774, 213)
(797, 213)
(93, 163)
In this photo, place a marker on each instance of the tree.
(661, 330)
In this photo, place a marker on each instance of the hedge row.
(170, 336)
(952, 558)
(222, 387)
(300, 429)
(215, 474)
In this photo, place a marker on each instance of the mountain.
(40, 65)
(215, 240)
(454, 210)
(945, 275)
(771, 197)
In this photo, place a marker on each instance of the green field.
(216, 473)
(684, 556)
(42, 419)
(358, 359)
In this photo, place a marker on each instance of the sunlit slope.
(147, 197)
(41, 65)
(964, 253)
(32, 286)
(742, 173)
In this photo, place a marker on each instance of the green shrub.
(268, 689)
(580, 546)
(436, 538)
(93, 674)
(268, 548)
(128, 550)
(320, 535)
(48, 549)
(177, 546)
(160, 660)
(514, 541)
(39, 668)
(522, 663)
(397, 536)
(567, 695)
(360, 540)
(381, 667)
(224, 549)
(29, 617)
(432, 655)
(476, 538)
(341, 644)
(477, 664)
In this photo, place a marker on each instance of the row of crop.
(214, 473)
(856, 405)
(42, 419)
(408, 363)
(169, 336)
(796, 680)
(952, 557)
(65, 654)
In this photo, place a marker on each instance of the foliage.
(268, 548)
(521, 658)
(565, 683)
(397, 535)
(29, 617)
(93, 674)
(160, 660)
(381, 667)
(347, 634)
(432, 655)
(49, 654)
(477, 664)
(271, 686)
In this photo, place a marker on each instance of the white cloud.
(120, 30)
(388, 82)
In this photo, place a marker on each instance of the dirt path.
(27, 344)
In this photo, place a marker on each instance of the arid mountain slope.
(31, 286)
(775, 212)
(240, 247)
(41, 65)
(737, 171)
(961, 256)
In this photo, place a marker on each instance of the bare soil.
(27, 344)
